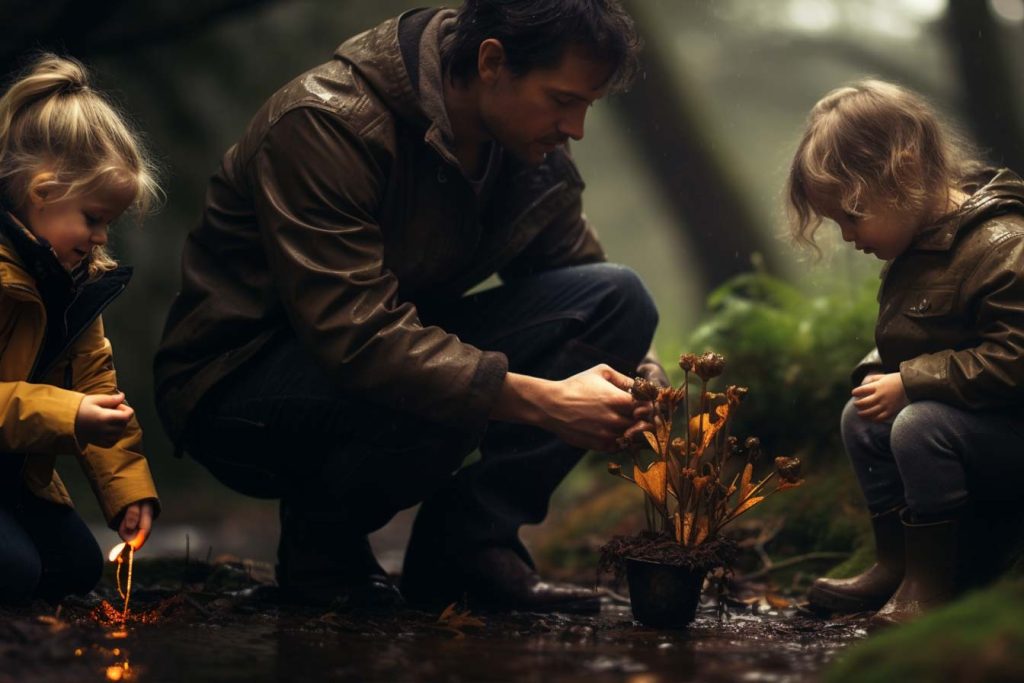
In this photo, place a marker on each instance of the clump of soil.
(663, 548)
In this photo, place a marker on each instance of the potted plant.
(694, 483)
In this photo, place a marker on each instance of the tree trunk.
(660, 117)
(991, 105)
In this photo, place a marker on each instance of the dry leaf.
(653, 482)
(702, 530)
(745, 486)
(653, 441)
(453, 620)
(745, 505)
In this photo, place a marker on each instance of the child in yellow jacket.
(69, 166)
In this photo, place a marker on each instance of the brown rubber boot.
(931, 574)
(870, 589)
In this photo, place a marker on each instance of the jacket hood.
(993, 192)
(401, 61)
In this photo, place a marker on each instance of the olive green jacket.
(951, 307)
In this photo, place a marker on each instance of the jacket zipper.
(71, 340)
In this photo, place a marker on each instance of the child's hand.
(880, 397)
(136, 523)
(101, 419)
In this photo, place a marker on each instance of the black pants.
(278, 428)
(46, 550)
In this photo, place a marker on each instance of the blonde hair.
(52, 120)
(871, 139)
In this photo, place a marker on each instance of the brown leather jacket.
(341, 208)
(951, 308)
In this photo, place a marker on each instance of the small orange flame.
(139, 540)
(118, 672)
(115, 552)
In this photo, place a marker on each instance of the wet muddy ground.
(215, 626)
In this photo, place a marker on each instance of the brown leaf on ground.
(453, 620)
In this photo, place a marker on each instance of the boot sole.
(822, 600)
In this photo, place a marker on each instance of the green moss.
(979, 638)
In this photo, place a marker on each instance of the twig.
(789, 562)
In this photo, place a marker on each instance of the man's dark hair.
(536, 34)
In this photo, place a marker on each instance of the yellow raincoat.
(37, 420)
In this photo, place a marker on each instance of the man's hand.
(101, 419)
(136, 523)
(588, 410)
(880, 397)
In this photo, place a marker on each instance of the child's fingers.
(146, 518)
(864, 390)
(873, 413)
(131, 518)
(866, 402)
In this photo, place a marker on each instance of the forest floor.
(201, 621)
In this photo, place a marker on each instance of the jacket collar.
(401, 59)
(992, 193)
(29, 260)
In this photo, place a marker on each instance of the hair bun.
(58, 74)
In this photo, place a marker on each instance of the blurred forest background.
(684, 178)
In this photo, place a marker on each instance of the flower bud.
(688, 362)
(644, 390)
(710, 365)
(788, 469)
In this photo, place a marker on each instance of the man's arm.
(325, 251)
(590, 409)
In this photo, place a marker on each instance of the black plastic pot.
(662, 595)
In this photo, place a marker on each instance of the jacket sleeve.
(37, 418)
(119, 475)
(871, 363)
(317, 190)
(990, 374)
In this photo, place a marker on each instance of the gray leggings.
(934, 458)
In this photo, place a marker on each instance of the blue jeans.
(935, 458)
(279, 429)
(46, 550)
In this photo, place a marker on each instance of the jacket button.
(441, 176)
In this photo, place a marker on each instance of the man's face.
(532, 114)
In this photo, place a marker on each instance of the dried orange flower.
(709, 365)
(688, 362)
(788, 469)
(644, 389)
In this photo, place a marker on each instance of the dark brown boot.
(931, 574)
(870, 589)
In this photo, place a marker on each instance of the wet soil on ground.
(223, 623)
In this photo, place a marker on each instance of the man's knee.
(630, 295)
